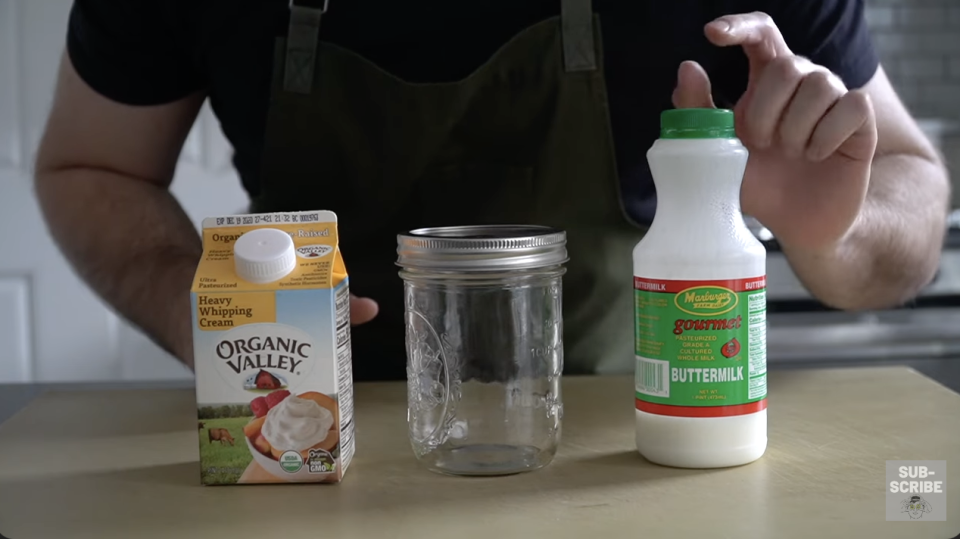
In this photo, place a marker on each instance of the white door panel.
(70, 332)
(43, 28)
(15, 315)
(10, 149)
(52, 328)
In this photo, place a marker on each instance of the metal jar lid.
(482, 248)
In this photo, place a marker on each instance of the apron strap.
(302, 44)
(579, 51)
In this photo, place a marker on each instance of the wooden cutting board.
(117, 464)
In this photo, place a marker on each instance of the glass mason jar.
(484, 336)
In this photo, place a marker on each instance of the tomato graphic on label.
(730, 349)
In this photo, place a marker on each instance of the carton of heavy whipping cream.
(271, 337)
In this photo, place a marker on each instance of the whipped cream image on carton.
(271, 338)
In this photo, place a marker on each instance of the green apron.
(525, 139)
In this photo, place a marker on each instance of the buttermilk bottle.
(700, 317)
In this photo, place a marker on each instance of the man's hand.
(855, 193)
(362, 310)
(811, 140)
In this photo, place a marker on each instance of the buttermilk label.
(700, 346)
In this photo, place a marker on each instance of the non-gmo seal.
(321, 462)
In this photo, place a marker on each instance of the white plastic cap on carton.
(264, 255)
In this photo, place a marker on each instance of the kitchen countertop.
(113, 461)
(14, 397)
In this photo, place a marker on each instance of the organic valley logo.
(706, 300)
(314, 251)
(264, 357)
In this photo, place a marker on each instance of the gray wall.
(919, 45)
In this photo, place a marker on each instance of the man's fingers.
(362, 310)
(850, 124)
(817, 94)
(772, 92)
(693, 87)
(755, 32)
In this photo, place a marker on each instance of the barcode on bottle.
(652, 377)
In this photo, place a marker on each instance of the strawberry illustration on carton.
(269, 295)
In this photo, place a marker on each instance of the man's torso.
(157, 52)
(226, 47)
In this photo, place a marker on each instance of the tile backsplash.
(919, 46)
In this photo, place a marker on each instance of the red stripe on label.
(675, 287)
(701, 411)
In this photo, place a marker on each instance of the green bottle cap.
(697, 123)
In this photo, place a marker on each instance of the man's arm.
(892, 250)
(851, 188)
(102, 178)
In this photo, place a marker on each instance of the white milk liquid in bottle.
(700, 289)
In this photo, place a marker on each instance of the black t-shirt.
(155, 51)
